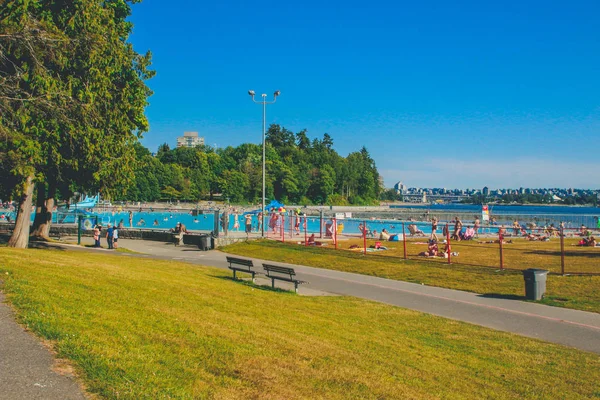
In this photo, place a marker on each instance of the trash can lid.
(536, 271)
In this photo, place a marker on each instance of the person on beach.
(432, 249)
(384, 235)
(236, 223)
(178, 233)
(259, 221)
(516, 227)
(109, 236)
(248, 223)
(225, 221)
(97, 230)
(329, 228)
(457, 228)
(434, 226)
(273, 221)
(297, 223)
(476, 225)
(115, 237)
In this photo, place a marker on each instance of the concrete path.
(26, 366)
(573, 328)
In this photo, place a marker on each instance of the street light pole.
(264, 102)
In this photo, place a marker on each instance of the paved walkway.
(27, 367)
(573, 328)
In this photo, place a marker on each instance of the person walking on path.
(115, 237)
(97, 229)
(260, 222)
(248, 224)
(109, 236)
(236, 222)
(225, 221)
(297, 223)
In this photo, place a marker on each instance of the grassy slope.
(152, 329)
(578, 292)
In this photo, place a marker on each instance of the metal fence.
(559, 248)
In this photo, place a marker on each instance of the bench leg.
(273, 283)
(253, 281)
(234, 274)
(296, 287)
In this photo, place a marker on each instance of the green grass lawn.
(578, 292)
(137, 328)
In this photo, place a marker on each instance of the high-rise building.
(189, 139)
(400, 188)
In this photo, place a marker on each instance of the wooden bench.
(241, 265)
(283, 274)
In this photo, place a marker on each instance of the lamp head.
(277, 93)
(251, 92)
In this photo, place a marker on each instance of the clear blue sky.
(456, 94)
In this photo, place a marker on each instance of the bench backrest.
(279, 270)
(240, 261)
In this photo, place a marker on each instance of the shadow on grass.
(568, 253)
(40, 245)
(501, 296)
(249, 283)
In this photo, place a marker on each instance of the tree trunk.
(43, 217)
(40, 205)
(20, 236)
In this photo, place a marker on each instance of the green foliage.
(298, 171)
(72, 93)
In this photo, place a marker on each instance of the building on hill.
(400, 188)
(189, 139)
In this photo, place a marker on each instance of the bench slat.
(240, 261)
(279, 269)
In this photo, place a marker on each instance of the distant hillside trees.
(298, 171)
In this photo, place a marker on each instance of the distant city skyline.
(441, 95)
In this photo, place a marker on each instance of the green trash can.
(535, 283)
(206, 243)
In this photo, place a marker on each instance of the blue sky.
(456, 94)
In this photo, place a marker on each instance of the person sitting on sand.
(384, 235)
(432, 249)
(414, 230)
(592, 242)
(311, 241)
(584, 231)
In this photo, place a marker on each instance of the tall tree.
(81, 102)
